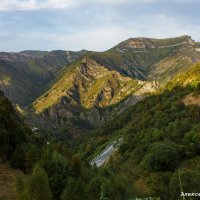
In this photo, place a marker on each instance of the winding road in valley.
(104, 156)
(106, 153)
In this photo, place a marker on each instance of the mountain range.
(88, 88)
(134, 107)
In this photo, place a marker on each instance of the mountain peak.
(143, 43)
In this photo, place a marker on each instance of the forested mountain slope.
(159, 153)
(12, 129)
(33, 166)
(160, 149)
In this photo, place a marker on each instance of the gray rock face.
(94, 116)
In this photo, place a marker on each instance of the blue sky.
(92, 24)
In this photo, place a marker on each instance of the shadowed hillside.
(26, 75)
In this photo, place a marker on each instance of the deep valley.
(120, 124)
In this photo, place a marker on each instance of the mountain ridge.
(139, 107)
(93, 82)
(160, 139)
(93, 86)
(24, 77)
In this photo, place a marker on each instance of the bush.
(75, 190)
(162, 157)
(35, 186)
(58, 170)
(190, 181)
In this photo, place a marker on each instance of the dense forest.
(159, 157)
(50, 169)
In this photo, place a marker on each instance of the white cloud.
(185, 1)
(18, 5)
(114, 2)
(6, 5)
(103, 37)
(88, 29)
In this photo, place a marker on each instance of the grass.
(7, 183)
(170, 41)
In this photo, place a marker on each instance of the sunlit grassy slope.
(88, 83)
(106, 78)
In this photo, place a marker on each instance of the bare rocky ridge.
(144, 44)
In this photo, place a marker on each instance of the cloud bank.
(6, 5)
(92, 24)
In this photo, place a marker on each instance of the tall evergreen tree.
(36, 186)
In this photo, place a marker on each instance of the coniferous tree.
(36, 186)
